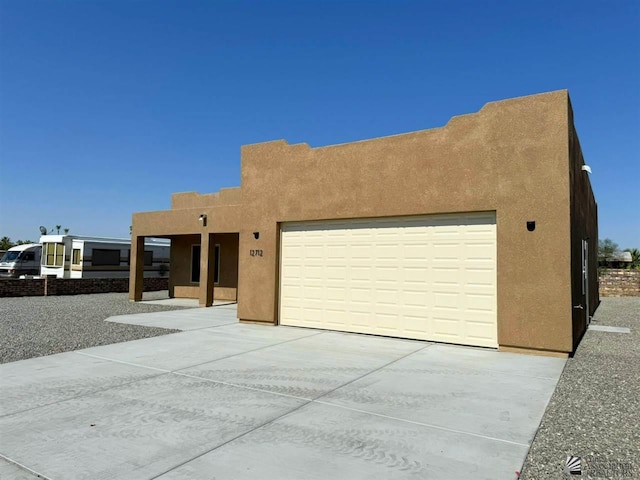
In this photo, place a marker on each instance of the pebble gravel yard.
(36, 326)
(594, 413)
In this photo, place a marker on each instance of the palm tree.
(635, 258)
(58, 227)
(66, 231)
(5, 243)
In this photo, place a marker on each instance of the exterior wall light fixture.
(203, 218)
(256, 235)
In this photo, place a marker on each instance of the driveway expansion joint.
(24, 467)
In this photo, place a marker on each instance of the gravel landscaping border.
(36, 326)
(594, 411)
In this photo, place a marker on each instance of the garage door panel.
(446, 276)
(335, 311)
(414, 298)
(361, 272)
(387, 296)
(337, 252)
(385, 317)
(446, 328)
(414, 326)
(429, 277)
(313, 294)
(446, 300)
(480, 301)
(336, 293)
(416, 274)
(480, 276)
(360, 319)
(415, 252)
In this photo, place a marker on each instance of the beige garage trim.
(422, 277)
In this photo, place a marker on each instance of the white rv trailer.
(73, 256)
(21, 260)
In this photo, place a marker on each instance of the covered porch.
(203, 255)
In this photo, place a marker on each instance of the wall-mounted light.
(586, 168)
(531, 225)
(256, 235)
(203, 218)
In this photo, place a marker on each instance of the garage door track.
(237, 401)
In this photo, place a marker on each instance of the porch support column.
(207, 258)
(136, 272)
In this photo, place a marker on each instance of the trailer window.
(75, 259)
(105, 257)
(53, 254)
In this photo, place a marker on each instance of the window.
(105, 257)
(195, 264)
(75, 259)
(29, 257)
(53, 254)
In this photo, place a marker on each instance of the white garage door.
(428, 277)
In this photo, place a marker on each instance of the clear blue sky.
(108, 107)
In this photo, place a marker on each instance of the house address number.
(255, 253)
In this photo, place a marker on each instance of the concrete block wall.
(14, 287)
(10, 287)
(617, 282)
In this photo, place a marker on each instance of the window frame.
(73, 256)
(56, 255)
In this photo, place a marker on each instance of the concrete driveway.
(226, 400)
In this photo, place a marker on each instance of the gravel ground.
(36, 326)
(595, 410)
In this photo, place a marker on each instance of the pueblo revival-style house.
(482, 232)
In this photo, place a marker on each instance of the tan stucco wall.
(510, 157)
(180, 284)
(227, 286)
(165, 223)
